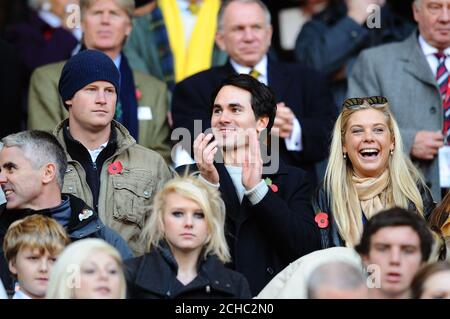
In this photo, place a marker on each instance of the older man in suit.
(305, 109)
(406, 74)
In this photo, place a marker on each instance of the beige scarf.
(369, 197)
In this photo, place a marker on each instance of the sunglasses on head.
(357, 102)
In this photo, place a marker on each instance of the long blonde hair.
(209, 201)
(61, 284)
(403, 176)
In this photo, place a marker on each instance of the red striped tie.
(442, 80)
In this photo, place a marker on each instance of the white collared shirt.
(55, 22)
(294, 142)
(188, 18)
(19, 294)
(94, 153)
(429, 52)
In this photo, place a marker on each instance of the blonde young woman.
(367, 171)
(186, 247)
(88, 269)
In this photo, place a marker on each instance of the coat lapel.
(416, 63)
(278, 80)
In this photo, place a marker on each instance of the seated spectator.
(175, 39)
(432, 282)
(291, 282)
(87, 269)
(367, 172)
(32, 166)
(142, 102)
(332, 40)
(45, 37)
(337, 280)
(106, 167)
(269, 214)
(305, 110)
(186, 247)
(31, 246)
(413, 75)
(395, 244)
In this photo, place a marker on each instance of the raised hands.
(253, 164)
(204, 152)
(284, 121)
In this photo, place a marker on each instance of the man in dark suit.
(305, 109)
(269, 218)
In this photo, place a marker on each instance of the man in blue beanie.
(106, 168)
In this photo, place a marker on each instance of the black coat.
(266, 237)
(153, 276)
(304, 90)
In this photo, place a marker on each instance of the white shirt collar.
(50, 18)
(117, 61)
(261, 67)
(19, 294)
(429, 50)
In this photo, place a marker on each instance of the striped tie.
(442, 80)
(254, 73)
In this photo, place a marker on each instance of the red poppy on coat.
(138, 94)
(115, 168)
(321, 219)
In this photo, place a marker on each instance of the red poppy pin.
(321, 219)
(115, 168)
(138, 94)
(272, 186)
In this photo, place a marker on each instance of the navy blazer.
(304, 90)
(266, 237)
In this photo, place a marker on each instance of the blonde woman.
(366, 173)
(186, 247)
(88, 269)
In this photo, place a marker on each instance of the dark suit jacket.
(304, 90)
(266, 237)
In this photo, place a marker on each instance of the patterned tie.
(254, 73)
(442, 80)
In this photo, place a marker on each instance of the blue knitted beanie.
(84, 68)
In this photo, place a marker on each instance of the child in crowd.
(31, 246)
(88, 269)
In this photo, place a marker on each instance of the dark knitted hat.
(84, 68)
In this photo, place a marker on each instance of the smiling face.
(100, 278)
(368, 142)
(433, 18)
(92, 108)
(21, 183)
(185, 227)
(396, 251)
(245, 33)
(105, 26)
(232, 114)
(32, 270)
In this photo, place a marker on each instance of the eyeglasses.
(357, 102)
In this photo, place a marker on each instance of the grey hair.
(126, 5)
(40, 148)
(338, 274)
(228, 2)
